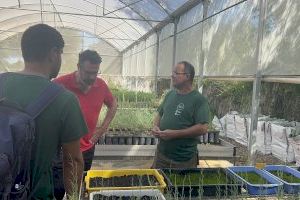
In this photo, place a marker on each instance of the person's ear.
(53, 55)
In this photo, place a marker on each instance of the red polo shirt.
(90, 103)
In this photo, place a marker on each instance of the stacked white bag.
(263, 137)
(272, 136)
(295, 143)
(281, 147)
(296, 147)
(229, 125)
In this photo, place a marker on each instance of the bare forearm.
(156, 121)
(109, 115)
(193, 131)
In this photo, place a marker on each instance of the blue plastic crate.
(289, 188)
(257, 189)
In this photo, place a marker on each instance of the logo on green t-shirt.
(179, 109)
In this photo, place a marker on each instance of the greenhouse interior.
(244, 109)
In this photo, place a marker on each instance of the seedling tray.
(255, 181)
(287, 175)
(127, 195)
(201, 182)
(126, 179)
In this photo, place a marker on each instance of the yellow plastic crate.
(123, 172)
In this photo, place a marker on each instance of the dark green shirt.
(178, 112)
(61, 122)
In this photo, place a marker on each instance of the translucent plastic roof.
(119, 22)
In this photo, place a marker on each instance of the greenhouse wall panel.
(165, 57)
(188, 47)
(281, 44)
(230, 41)
(150, 59)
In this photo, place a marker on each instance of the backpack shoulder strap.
(3, 77)
(43, 100)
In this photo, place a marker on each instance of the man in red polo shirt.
(92, 93)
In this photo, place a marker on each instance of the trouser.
(58, 182)
(161, 161)
(58, 179)
(88, 157)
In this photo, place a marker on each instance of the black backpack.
(17, 133)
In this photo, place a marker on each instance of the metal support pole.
(56, 13)
(54, 18)
(156, 64)
(256, 86)
(174, 45)
(136, 88)
(41, 7)
(96, 24)
(82, 41)
(202, 54)
(103, 8)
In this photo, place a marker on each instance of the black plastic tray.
(234, 186)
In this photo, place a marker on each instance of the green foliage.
(225, 96)
(135, 119)
(128, 98)
(252, 178)
(277, 100)
(205, 178)
(281, 100)
(136, 110)
(286, 176)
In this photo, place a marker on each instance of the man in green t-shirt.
(60, 124)
(181, 118)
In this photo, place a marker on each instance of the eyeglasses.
(178, 73)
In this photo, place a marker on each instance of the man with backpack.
(37, 117)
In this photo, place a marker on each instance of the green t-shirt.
(178, 112)
(61, 122)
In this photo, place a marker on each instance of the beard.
(54, 74)
(55, 70)
(89, 81)
(178, 85)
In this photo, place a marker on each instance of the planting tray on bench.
(125, 179)
(201, 182)
(256, 182)
(152, 194)
(287, 175)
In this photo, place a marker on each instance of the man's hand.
(165, 135)
(154, 131)
(99, 132)
(112, 109)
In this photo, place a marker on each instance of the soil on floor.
(242, 153)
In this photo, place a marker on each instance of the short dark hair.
(38, 40)
(188, 69)
(89, 55)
